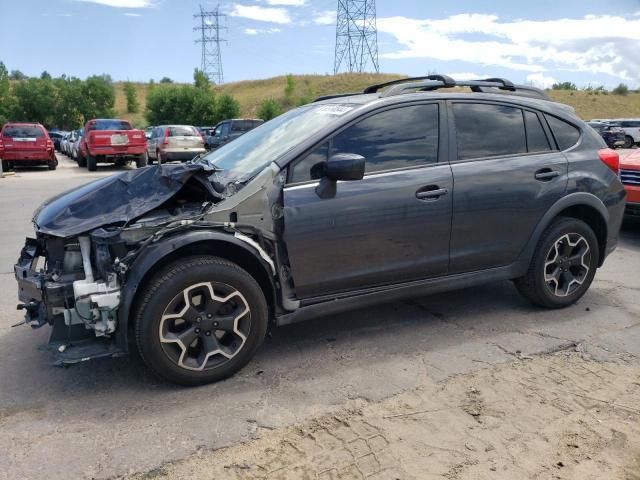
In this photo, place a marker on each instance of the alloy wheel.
(567, 264)
(205, 325)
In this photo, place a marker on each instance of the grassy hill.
(250, 94)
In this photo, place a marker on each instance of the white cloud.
(132, 15)
(122, 3)
(602, 44)
(540, 80)
(288, 3)
(328, 17)
(65, 14)
(256, 31)
(261, 14)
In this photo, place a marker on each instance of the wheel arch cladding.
(193, 243)
(583, 206)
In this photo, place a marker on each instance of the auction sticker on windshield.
(335, 109)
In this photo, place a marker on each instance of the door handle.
(546, 174)
(432, 192)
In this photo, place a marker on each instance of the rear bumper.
(12, 156)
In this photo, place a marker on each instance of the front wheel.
(200, 320)
(563, 265)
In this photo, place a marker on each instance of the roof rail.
(436, 82)
(446, 82)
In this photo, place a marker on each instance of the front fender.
(152, 255)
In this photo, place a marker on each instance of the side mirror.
(340, 167)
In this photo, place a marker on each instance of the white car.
(631, 127)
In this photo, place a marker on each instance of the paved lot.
(108, 418)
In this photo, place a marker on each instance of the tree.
(69, 99)
(621, 89)
(35, 101)
(132, 97)
(45, 75)
(5, 99)
(166, 80)
(227, 107)
(98, 97)
(269, 109)
(17, 75)
(564, 86)
(200, 79)
(181, 104)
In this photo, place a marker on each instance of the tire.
(92, 163)
(212, 356)
(159, 158)
(142, 160)
(628, 141)
(82, 161)
(52, 164)
(563, 264)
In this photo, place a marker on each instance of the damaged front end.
(71, 276)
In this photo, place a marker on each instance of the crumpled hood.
(118, 198)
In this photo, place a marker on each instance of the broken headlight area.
(72, 284)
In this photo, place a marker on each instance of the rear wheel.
(160, 158)
(628, 142)
(563, 265)
(142, 160)
(52, 164)
(82, 161)
(92, 163)
(200, 320)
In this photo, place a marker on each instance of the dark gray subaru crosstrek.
(404, 190)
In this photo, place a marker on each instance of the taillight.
(49, 144)
(610, 158)
(166, 137)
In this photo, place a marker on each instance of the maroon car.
(26, 144)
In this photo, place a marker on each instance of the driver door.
(392, 226)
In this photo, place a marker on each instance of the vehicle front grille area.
(630, 177)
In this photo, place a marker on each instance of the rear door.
(391, 227)
(507, 173)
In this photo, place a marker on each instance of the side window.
(484, 130)
(566, 134)
(400, 138)
(537, 140)
(226, 127)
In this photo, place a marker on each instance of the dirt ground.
(561, 416)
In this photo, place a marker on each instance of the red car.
(112, 140)
(26, 144)
(630, 176)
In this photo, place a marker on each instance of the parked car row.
(630, 127)
(227, 131)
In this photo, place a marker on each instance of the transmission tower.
(209, 28)
(356, 36)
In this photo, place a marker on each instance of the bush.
(621, 89)
(564, 86)
(269, 109)
(228, 107)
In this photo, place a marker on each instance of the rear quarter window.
(566, 135)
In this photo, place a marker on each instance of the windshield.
(249, 154)
(183, 131)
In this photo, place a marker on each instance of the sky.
(537, 42)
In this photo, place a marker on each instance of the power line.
(356, 36)
(209, 28)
